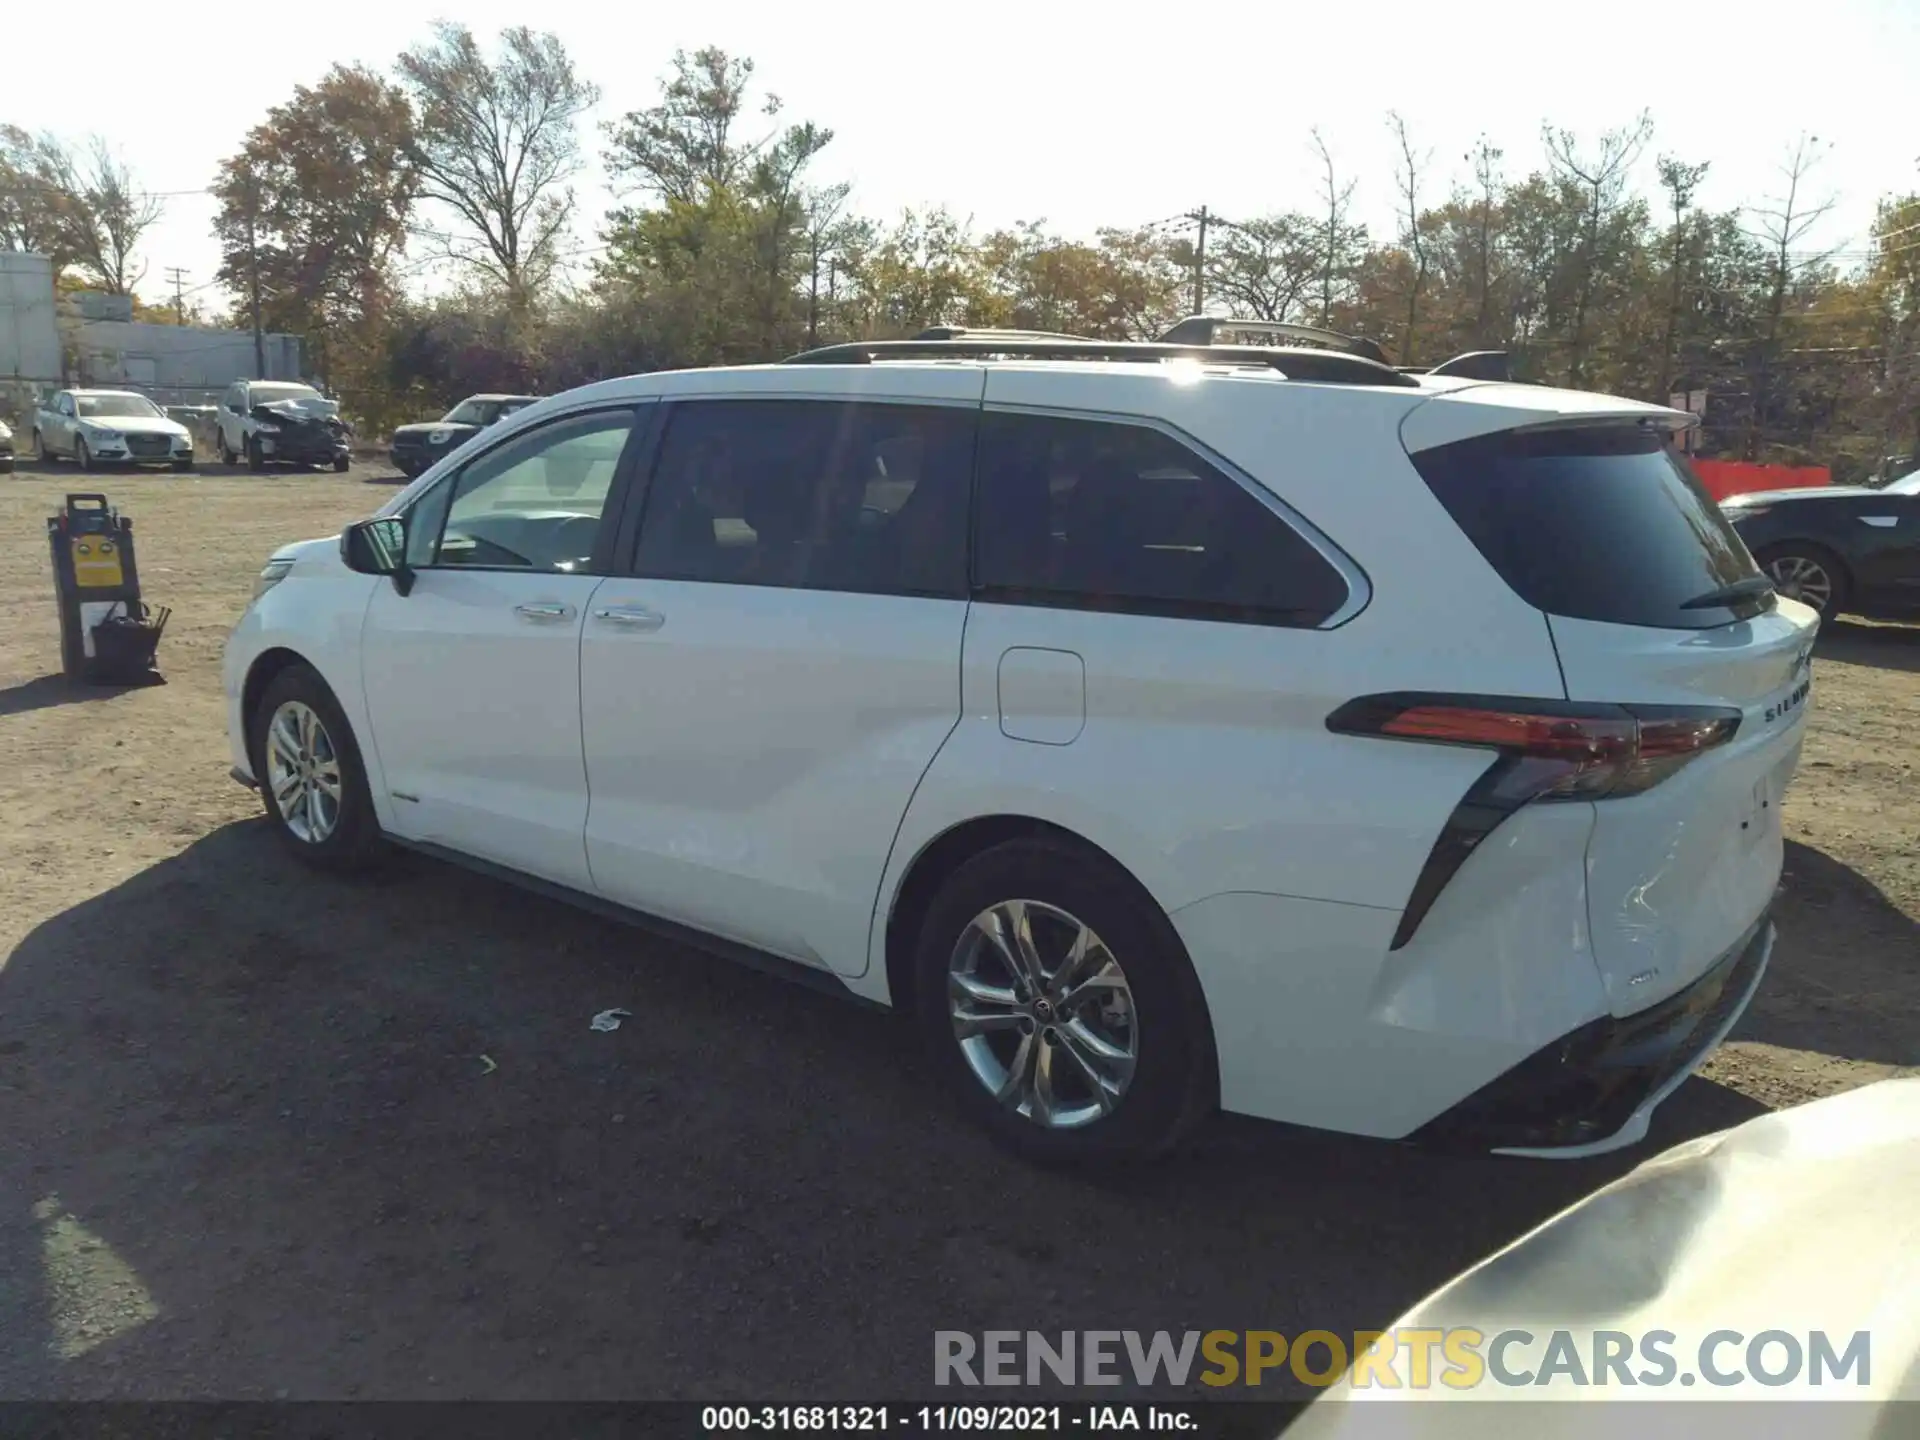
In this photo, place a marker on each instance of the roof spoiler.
(1208, 329)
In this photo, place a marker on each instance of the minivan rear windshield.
(1605, 523)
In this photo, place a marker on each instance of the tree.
(81, 208)
(1407, 177)
(34, 170)
(496, 143)
(1783, 221)
(314, 210)
(1599, 181)
(1341, 244)
(1266, 268)
(1679, 180)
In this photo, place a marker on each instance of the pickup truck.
(109, 427)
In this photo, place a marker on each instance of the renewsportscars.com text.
(1460, 1358)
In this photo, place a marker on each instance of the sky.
(1077, 114)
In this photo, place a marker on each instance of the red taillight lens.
(1546, 749)
(1579, 751)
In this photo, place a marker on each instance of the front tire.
(1809, 573)
(312, 779)
(340, 464)
(1059, 1007)
(182, 467)
(83, 455)
(256, 461)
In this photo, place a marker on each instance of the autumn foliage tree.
(314, 211)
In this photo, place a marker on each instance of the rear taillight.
(1545, 750)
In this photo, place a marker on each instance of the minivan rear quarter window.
(1595, 523)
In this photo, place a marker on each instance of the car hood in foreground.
(1802, 1222)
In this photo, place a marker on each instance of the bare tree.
(1601, 180)
(1781, 223)
(1487, 185)
(80, 208)
(1407, 176)
(108, 217)
(826, 232)
(1679, 180)
(496, 144)
(1337, 238)
(685, 147)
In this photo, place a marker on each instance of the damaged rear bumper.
(1595, 1089)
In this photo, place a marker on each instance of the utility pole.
(253, 278)
(1200, 264)
(178, 276)
(813, 296)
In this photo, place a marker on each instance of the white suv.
(1162, 726)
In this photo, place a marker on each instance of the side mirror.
(378, 547)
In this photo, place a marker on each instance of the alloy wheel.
(303, 772)
(1799, 577)
(1043, 1014)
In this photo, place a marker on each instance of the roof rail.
(1207, 329)
(1477, 365)
(1326, 366)
(962, 332)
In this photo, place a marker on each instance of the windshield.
(267, 394)
(1905, 485)
(103, 405)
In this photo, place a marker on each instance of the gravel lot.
(250, 1147)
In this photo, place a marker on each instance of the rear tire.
(1809, 573)
(47, 457)
(1107, 1060)
(312, 779)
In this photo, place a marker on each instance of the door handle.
(631, 617)
(543, 610)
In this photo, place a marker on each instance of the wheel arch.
(268, 664)
(945, 853)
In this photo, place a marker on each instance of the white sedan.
(109, 427)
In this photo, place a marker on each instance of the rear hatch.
(1654, 605)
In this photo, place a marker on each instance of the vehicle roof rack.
(962, 332)
(1207, 330)
(1325, 366)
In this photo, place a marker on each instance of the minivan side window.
(532, 503)
(1103, 515)
(812, 494)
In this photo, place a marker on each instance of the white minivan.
(1162, 726)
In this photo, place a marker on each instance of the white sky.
(1078, 114)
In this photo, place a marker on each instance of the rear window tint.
(1606, 524)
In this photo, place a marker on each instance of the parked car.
(109, 427)
(278, 422)
(1158, 725)
(1842, 549)
(6, 448)
(415, 447)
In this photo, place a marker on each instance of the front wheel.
(256, 459)
(340, 464)
(1060, 1008)
(312, 779)
(83, 455)
(182, 467)
(1809, 574)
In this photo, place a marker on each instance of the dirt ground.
(265, 1135)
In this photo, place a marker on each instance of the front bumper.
(414, 458)
(1595, 1089)
(304, 449)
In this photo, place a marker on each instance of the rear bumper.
(1595, 1089)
